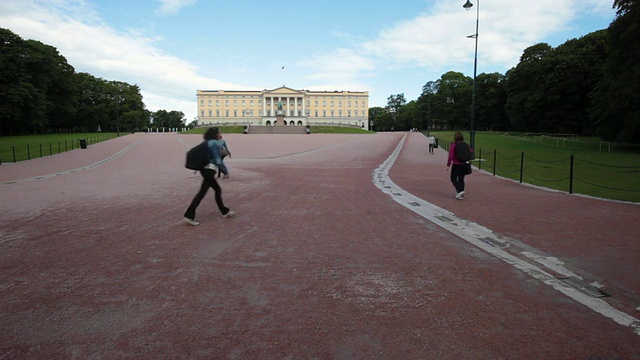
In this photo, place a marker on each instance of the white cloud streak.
(430, 42)
(172, 7)
(166, 82)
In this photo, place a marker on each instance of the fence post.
(495, 153)
(28, 152)
(571, 176)
(14, 154)
(521, 165)
(50, 150)
(40, 149)
(480, 159)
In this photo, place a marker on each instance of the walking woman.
(459, 154)
(212, 135)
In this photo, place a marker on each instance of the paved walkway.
(344, 247)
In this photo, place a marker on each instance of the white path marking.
(490, 242)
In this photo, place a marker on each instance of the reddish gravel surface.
(95, 262)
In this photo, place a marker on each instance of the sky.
(172, 48)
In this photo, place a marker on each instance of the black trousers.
(208, 181)
(458, 171)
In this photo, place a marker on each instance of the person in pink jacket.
(459, 166)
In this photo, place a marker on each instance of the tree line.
(586, 86)
(41, 92)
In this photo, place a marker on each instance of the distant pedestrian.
(432, 143)
(212, 136)
(459, 155)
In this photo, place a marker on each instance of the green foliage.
(338, 130)
(40, 93)
(168, 119)
(34, 146)
(600, 169)
(239, 129)
(616, 109)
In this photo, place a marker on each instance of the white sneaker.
(460, 195)
(192, 222)
(229, 214)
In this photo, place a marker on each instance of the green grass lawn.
(597, 170)
(19, 148)
(314, 130)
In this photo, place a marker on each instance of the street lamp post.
(472, 132)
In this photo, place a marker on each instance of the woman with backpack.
(211, 136)
(459, 155)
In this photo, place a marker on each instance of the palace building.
(299, 107)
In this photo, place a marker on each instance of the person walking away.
(212, 136)
(432, 143)
(459, 154)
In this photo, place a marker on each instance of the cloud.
(439, 38)
(399, 57)
(341, 63)
(91, 46)
(172, 7)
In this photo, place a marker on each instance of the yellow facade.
(299, 107)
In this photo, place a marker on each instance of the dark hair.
(458, 136)
(211, 133)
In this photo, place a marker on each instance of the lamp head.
(468, 5)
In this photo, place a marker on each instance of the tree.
(490, 102)
(452, 105)
(394, 104)
(168, 119)
(616, 98)
(376, 118)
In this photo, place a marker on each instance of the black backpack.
(198, 157)
(463, 152)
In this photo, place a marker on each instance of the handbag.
(468, 169)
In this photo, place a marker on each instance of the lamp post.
(472, 132)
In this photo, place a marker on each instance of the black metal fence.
(15, 153)
(592, 178)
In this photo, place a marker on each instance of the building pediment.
(282, 90)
